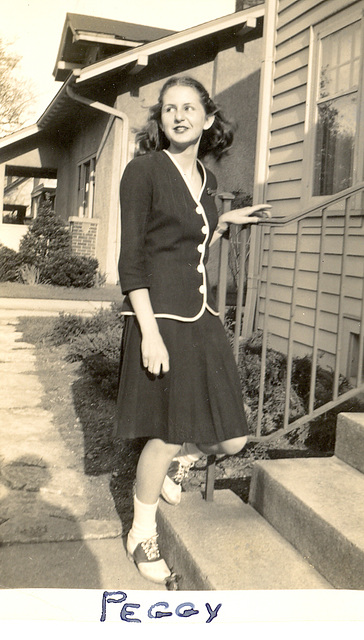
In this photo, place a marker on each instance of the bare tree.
(15, 93)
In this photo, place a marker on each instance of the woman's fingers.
(156, 367)
(155, 358)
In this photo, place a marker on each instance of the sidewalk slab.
(39, 306)
(91, 564)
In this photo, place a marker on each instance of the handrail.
(318, 207)
(314, 344)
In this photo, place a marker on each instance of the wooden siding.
(337, 273)
(284, 190)
(290, 92)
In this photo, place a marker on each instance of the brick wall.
(83, 236)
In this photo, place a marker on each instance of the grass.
(108, 293)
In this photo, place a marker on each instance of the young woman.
(179, 384)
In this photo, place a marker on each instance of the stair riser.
(332, 555)
(349, 445)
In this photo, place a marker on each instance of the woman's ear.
(209, 122)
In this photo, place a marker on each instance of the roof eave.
(20, 135)
(174, 40)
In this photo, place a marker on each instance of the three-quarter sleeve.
(135, 204)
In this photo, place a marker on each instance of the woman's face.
(183, 117)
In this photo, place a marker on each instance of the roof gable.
(88, 39)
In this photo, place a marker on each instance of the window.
(86, 187)
(334, 121)
(337, 106)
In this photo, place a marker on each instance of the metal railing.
(335, 229)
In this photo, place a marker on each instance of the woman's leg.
(229, 447)
(185, 459)
(142, 543)
(152, 467)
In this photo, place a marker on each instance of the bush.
(10, 262)
(29, 274)
(100, 356)
(68, 326)
(70, 270)
(47, 235)
(319, 434)
(274, 386)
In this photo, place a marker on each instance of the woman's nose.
(178, 115)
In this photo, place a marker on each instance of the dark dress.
(199, 400)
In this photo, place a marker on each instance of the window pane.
(340, 54)
(334, 152)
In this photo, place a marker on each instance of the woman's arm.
(244, 216)
(154, 353)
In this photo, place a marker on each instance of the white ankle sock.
(188, 453)
(144, 522)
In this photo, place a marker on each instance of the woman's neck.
(187, 160)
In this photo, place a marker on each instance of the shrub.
(10, 262)
(29, 274)
(100, 279)
(47, 235)
(319, 434)
(70, 270)
(68, 326)
(100, 356)
(274, 387)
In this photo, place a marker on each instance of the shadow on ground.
(102, 453)
(29, 527)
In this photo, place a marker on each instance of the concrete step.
(317, 505)
(227, 545)
(349, 445)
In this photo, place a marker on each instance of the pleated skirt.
(199, 400)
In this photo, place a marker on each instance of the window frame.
(319, 31)
(82, 205)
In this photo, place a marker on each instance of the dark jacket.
(165, 235)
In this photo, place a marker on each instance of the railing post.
(226, 199)
(210, 479)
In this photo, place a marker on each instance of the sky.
(33, 30)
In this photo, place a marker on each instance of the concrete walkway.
(15, 307)
(45, 496)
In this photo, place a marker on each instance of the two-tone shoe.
(172, 485)
(146, 557)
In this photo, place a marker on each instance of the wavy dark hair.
(215, 141)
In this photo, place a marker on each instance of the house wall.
(289, 161)
(37, 152)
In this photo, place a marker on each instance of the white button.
(202, 289)
(204, 229)
(200, 248)
(200, 268)
(199, 209)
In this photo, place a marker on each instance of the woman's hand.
(155, 356)
(247, 215)
(154, 353)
